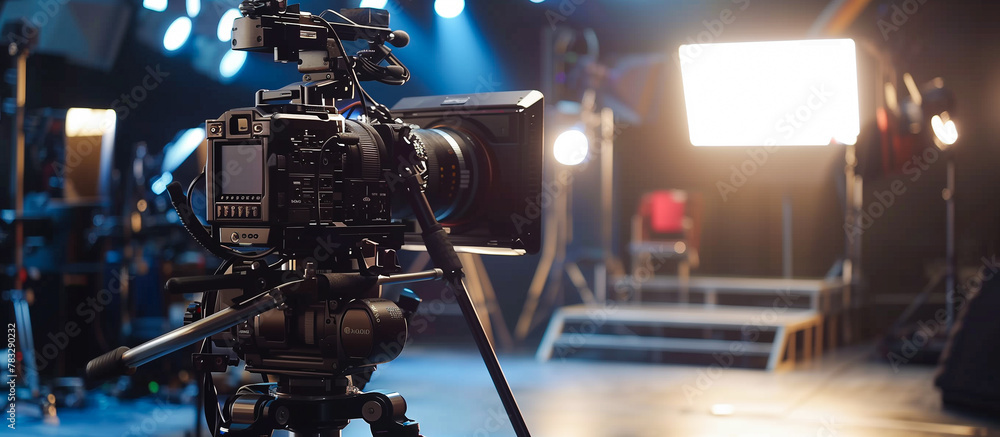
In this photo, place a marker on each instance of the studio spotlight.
(377, 4)
(449, 8)
(231, 63)
(945, 130)
(193, 8)
(571, 147)
(160, 184)
(225, 30)
(177, 34)
(155, 5)
(178, 151)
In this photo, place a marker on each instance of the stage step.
(582, 327)
(654, 343)
(823, 295)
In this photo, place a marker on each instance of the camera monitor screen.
(245, 169)
(783, 93)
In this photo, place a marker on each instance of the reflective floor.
(449, 392)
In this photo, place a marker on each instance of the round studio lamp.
(945, 130)
(571, 148)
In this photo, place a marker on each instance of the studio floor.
(449, 392)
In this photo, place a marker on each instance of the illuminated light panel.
(377, 4)
(225, 29)
(85, 122)
(783, 93)
(155, 5)
(177, 34)
(231, 63)
(449, 8)
(571, 148)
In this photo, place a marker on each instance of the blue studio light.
(449, 8)
(155, 5)
(177, 34)
(377, 4)
(537, 1)
(175, 153)
(231, 63)
(160, 184)
(193, 7)
(225, 30)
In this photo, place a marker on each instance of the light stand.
(20, 48)
(557, 258)
(945, 136)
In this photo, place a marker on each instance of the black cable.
(197, 230)
(190, 190)
(350, 111)
(340, 45)
(208, 385)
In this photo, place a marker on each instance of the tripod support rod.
(123, 361)
(443, 255)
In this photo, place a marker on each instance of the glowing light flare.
(911, 87)
(193, 7)
(945, 130)
(231, 63)
(571, 148)
(160, 184)
(377, 4)
(449, 8)
(178, 151)
(782, 93)
(723, 410)
(86, 122)
(225, 30)
(155, 5)
(177, 34)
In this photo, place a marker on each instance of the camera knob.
(408, 302)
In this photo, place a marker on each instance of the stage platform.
(449, 392)
(758, 322)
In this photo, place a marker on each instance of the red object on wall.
(665, 211)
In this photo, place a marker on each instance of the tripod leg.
(490, 296)
(580, 283)
(445, 258)
(474, 285)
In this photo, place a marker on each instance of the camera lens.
(457, 171)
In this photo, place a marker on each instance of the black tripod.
(302, 402)
(318, 410)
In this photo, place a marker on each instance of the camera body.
(273, 171)
(280, 176)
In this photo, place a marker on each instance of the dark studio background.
(956, 40)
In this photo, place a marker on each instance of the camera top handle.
(316, 44)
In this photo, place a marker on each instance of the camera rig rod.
(123, 361)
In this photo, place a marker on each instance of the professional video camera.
(307, 208)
